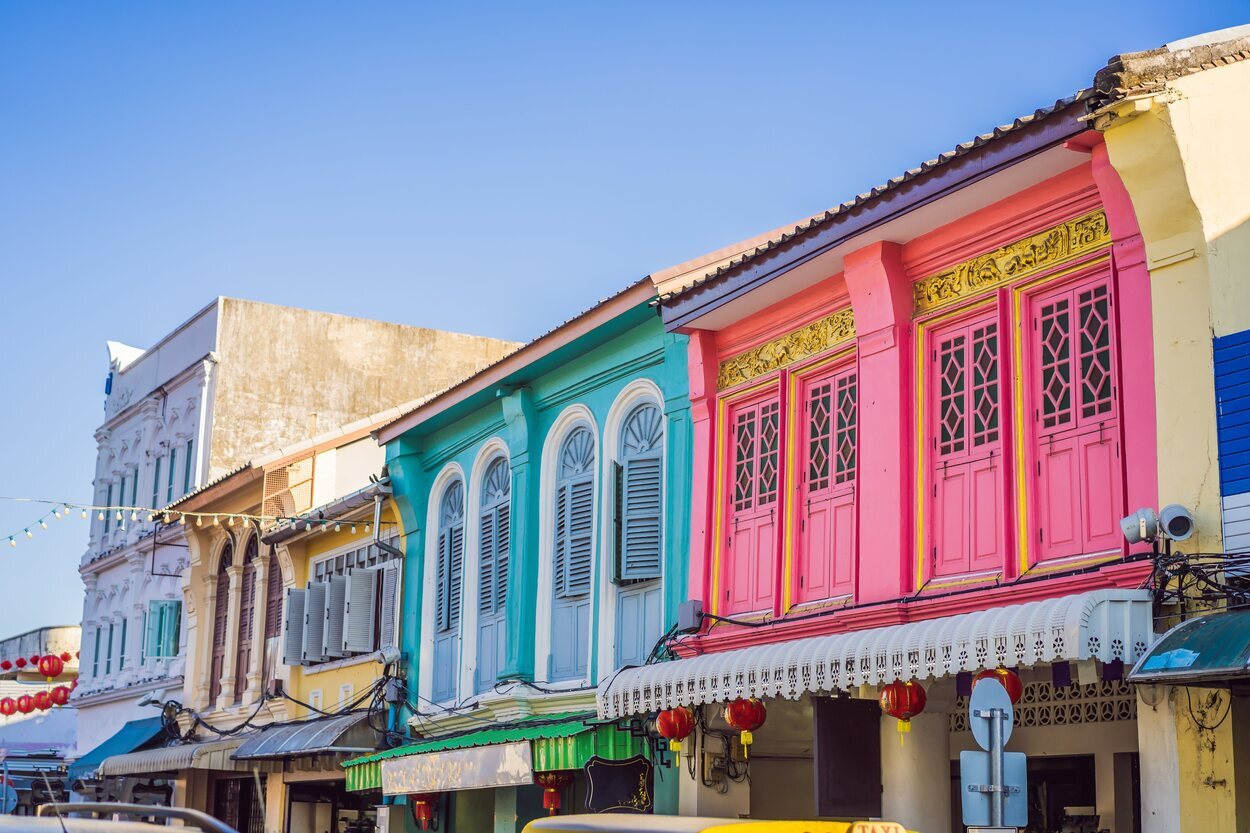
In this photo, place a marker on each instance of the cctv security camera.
(1177, 522)
(1142, 525)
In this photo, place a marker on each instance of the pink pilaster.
(702, 364)
(881, 297)
(1137, 366)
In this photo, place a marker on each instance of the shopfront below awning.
(212, 754)
(1106, 625)
(135, 734)
(502, 755)
(1211, 650)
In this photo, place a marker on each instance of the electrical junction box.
(690, 616)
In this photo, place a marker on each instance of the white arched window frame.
(633, 517)
(568, 482)
(446, 574)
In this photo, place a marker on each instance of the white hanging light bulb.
(216, 521)
(199, 520)
(134, 514)
(29, 534)
(84, 514)
(43, 523)
(353, 529)
(182, 520)
(12, 543)
(232, 520)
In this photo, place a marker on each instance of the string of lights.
(316, 522)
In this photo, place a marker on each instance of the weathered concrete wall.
(288, 374)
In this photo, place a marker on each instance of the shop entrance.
(239, 803)
(326, 807)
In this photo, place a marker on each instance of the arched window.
(247, 618)
(449, 567)
(494, 540)
(639, 550)
(221, 612)
(572, 559)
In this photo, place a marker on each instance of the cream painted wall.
(1182, 155)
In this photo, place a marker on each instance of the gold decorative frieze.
(788, 349)
(1015, 260)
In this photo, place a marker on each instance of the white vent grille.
(1043, 704)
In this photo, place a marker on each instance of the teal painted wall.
(522, 412)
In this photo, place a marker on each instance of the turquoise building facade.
(546, 514)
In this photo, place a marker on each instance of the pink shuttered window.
(826, 512)
(247, 618)
(754, 481)
(967, 518)
(221, 612)
(1078, 470)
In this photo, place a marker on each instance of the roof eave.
(496, 374)
(978, 163)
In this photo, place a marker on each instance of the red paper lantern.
(60, 695)
(43, 700)
(903, 701)
(8, 707)
(51, 667)
(746, 714)
(34, 659)
(675, 725)
(76, 655)
(5, 665)
(73, 684)
(1010, 680)
(553, 783)
(423, 805)
(25, 704)
(66, 656)
(21, 662)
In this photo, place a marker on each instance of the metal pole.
(996, 767)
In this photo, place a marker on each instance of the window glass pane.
(186, 474)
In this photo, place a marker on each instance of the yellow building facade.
(1175, 122)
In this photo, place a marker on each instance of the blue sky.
(487, 168)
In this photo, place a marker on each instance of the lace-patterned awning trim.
(1102, 624)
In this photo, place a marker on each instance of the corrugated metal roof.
(1102, 624)
(531, 728)
(872, 195)
(341, 734)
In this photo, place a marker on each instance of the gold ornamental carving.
(1015, 260)
(788, 349)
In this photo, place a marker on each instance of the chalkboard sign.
(619, 786)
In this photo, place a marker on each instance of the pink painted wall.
(891, 535)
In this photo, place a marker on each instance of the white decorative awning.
(1103, 624)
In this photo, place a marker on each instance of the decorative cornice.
(1015, 260)
(792, 347)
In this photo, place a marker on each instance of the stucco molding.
(1014, 261)
(785, 350)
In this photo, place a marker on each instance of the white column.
(915, 774)
(230, 661)
(1160, 773)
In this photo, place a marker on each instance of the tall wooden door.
(825, 558)
(752, 493)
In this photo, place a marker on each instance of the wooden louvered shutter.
(314, 621)
(293, 628)
(442, 595)
(640, 519)
(581, 509)
(486, 564)
(388, 610)
(335, 607)
(456, 577)
(360, 602)
(247, 618)
(273, 604)
(560, 560)
(503, 547)
(221, 610)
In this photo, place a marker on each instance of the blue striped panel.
(1232, 407)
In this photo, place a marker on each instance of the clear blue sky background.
(487, 168)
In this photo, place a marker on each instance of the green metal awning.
(1212, 650)
(135, 734)
(557, 741)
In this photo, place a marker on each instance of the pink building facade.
(937, 427)
(918, 420)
